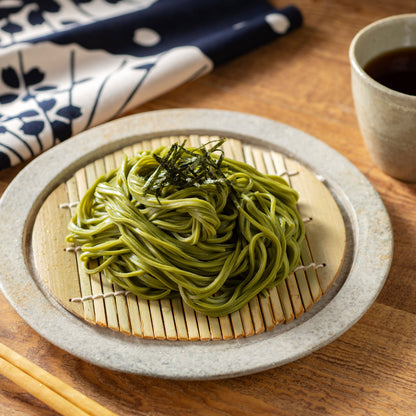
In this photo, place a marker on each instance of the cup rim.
(359, 69)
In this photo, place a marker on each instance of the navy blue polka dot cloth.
(69, 65)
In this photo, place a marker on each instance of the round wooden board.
(97, 301)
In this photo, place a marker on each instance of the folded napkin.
(69, 65)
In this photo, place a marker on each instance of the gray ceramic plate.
(365, 268)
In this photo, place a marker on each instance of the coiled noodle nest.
(189, 222)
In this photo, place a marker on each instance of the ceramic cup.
(387, 118)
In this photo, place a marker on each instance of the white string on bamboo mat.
(73, 249)
(309, 266)
(126, 292)
(101, 296)
(68, 204)
(289, 173)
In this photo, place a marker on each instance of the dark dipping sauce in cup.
(395, 69)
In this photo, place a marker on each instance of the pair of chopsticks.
(46, 387)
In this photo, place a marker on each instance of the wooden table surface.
(302, 80)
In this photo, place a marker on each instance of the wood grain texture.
(302, 80)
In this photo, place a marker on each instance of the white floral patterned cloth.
(67, 65)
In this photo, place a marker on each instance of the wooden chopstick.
(46, 387)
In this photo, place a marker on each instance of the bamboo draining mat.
(97, 301)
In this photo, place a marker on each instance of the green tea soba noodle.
(189, 222)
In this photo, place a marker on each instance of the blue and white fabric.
(68, 65)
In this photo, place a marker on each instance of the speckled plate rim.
(370, 253)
